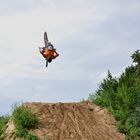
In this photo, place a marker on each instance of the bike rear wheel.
(45, 39)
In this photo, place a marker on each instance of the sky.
(91, 36)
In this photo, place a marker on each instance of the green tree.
(121, 96)
(136, 59)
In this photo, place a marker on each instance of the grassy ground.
(24, 120)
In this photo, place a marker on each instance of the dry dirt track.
(74, 121)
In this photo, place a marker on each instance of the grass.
(24, 121)
(3, 122)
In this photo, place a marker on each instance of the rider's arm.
(56, 54)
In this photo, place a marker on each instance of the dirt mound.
(73, 121)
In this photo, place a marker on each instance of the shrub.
(121, 96)
(3, 122)
(24, 120)
(31, 136)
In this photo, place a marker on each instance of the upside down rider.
(48, 52)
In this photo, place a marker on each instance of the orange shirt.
(49, 53)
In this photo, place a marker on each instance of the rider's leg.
(46, 62)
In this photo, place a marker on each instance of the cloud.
(90, 36)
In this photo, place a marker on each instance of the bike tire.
(45, 39)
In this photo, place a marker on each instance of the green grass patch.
(3, 122)
(24, 121)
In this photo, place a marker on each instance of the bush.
(31, 136)
(121, 96)
(24, 120)
(3, 122)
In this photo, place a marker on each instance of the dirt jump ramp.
(74, 121)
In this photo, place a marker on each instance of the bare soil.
(71, 121)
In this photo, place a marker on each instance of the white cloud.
(91, 37)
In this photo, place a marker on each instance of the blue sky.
(91, 37)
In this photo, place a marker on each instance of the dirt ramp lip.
(79, 121)
(74, 121)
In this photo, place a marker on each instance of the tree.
(136, 59)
